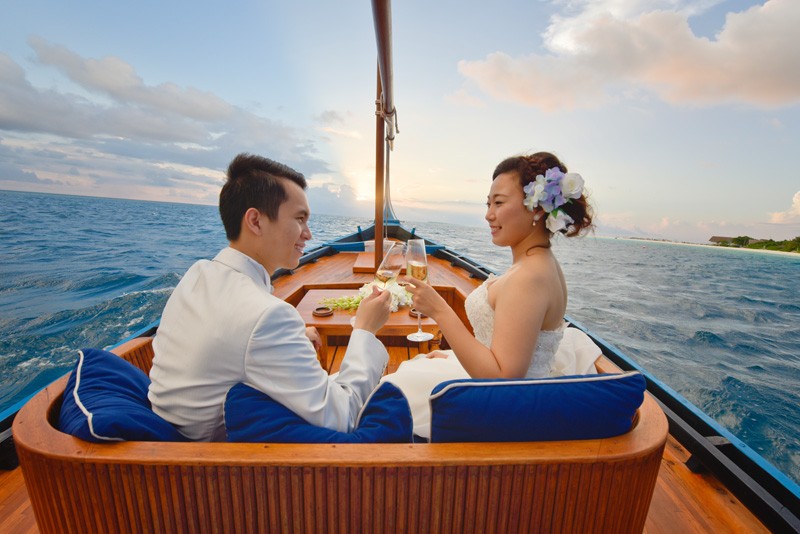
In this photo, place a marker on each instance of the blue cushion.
(252, 416)
(542, 409)
(106, 400)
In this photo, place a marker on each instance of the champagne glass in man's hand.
(390, 266)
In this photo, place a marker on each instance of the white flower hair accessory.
(552, 191)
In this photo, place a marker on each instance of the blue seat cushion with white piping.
(254, 417)
(538, 409)
(106, 400)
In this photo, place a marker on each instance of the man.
(222, 325)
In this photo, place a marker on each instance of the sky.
(683, 117)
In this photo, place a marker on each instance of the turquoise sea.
(720, 326)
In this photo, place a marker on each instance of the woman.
(518, 318)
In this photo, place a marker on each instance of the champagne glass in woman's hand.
(417, 267)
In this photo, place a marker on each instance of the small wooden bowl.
(323, 311)
(414, 313)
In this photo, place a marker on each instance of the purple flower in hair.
(552, 191)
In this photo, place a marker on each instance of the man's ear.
(252, 221)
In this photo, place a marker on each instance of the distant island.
(743, 241)
(791, 245)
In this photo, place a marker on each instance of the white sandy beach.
(717, 247)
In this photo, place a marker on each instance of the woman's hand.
(425, 299)
(373, 311)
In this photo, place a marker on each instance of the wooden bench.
(602, 485)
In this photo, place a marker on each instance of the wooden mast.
(385, 120)
(379, 179)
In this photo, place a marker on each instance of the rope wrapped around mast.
(382, 16)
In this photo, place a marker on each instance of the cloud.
(350, 134)
(330, 117)
(15, 174)
(463, 98)
(332, 199)
(615, 45)
(117, 79)
(118, 129)
(333, 122)
(792, 215)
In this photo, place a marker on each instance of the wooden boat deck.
(683, 501)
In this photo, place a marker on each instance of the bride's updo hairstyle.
(531, 166)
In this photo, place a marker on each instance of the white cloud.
(330, 116)
(115, 78)
(349, 134)
(120, 131)
(333, 199)
(613, 45)
(463, 98)
(335, 123)
(792, 215)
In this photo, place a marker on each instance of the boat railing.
(475, 269)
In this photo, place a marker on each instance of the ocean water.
(720, 326)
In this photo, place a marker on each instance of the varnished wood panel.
(411, 489)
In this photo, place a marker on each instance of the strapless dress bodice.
(481, 317)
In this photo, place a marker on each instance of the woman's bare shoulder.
(527, 273)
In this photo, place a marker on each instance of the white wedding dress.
(565, 351)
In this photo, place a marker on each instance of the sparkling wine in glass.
(390, 266)
(417, 268)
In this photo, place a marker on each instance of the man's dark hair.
(253, 182)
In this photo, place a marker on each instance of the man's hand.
(313, 335)
(373, 312)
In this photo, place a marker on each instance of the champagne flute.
(390, 266)
(417, 267)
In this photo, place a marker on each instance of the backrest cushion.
(254, 417)
(540, 409)
(106, 400)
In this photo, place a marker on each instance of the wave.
(787, 307)
(708, 338)
(33, 353)
(746, 299)
(747, 411)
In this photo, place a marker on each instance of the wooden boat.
(699, 478)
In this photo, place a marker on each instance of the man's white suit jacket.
(222, 325)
